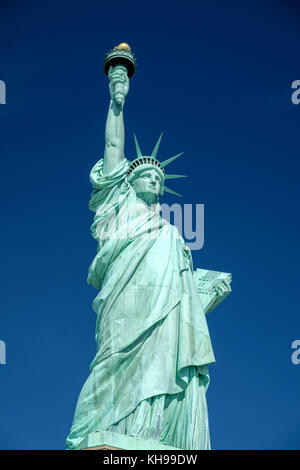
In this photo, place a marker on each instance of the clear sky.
(216, 78)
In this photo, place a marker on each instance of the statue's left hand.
(223, 288)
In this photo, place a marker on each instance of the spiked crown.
(142, 163)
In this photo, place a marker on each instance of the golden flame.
(123, 46)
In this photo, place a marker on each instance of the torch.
(120, 56)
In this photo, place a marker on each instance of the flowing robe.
(153, 345)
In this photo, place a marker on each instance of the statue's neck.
(151, 202)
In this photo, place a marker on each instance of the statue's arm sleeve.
(110, 191)
(107, 187)
(208, 285)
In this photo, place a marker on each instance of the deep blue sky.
(216, 78)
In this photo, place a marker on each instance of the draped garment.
(153, 344)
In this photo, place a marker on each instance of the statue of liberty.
(148, 381)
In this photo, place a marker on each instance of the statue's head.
(148, 184)
(147, 175)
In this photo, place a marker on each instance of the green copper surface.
(147, 383)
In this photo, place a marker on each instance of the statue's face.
(147, 185)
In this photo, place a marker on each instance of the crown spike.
(166, 162)
(138, 150)
(168, 190)
(154, 153)
(171, 177)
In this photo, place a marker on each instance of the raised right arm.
(114, 130)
